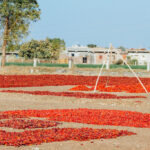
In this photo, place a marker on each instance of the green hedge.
(78, 65)
(38, 64)
(111, 66)
(88, 66)
(18, 64)
(52, 65)
(126, 67)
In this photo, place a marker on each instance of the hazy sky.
(120, 22)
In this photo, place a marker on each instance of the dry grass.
(22, 70)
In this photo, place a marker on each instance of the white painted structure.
(148, 65)
(70, 62)
(86, 55)
(35, 62)
(142, 56)
(125, 62)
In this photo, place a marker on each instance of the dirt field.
(14, 101)
(14, 70)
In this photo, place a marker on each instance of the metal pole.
(99, 76)
(107, 64)
(70, 63)
(135, 75)
(148, 66)
(0, 61)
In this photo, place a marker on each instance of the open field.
(137, 123)
(21, 70)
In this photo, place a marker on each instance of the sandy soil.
(13, 101)
(15, 70)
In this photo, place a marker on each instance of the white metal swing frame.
(107, 66)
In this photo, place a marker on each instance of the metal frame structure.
(107, 67)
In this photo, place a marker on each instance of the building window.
(100, 56)
(72, 54)
(84, 59)
(16, 55)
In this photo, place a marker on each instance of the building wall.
(99, 58)
(142, 58)
(94, 55)
(78, 57)
(11, 57)
(93, 58)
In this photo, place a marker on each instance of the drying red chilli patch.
(57, 134)
(75, 94)
(27, 123)
(21, 120)
(87, 116)
(80, 88)
(116, 84)
(136, 88)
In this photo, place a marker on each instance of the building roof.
(138, 51)
(92, 50)
(14, 52)
(78, 49)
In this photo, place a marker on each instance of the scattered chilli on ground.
(20, 119)
(27, 124)
(75, 94)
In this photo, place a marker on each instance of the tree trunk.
(5, 39)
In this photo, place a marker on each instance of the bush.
(119, 62)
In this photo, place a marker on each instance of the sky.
(101, 22)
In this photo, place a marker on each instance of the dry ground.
(13, 101)
(15, 70)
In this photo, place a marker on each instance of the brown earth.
(14, 101)
(15, 70)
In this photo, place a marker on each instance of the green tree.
(119, 62)
(35, 49)
(122, 48)
(132, 61)
(15, 18)
(91, 45)
(57, 45)
(43, 49)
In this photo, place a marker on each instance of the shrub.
(119, 62)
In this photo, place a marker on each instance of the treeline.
(42, 49)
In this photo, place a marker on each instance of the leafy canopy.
(18, 14)
(122, 48)
(43, 49)
(91, 45)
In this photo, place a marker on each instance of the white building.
(86, 55)
(141, 55)
(10, 56)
